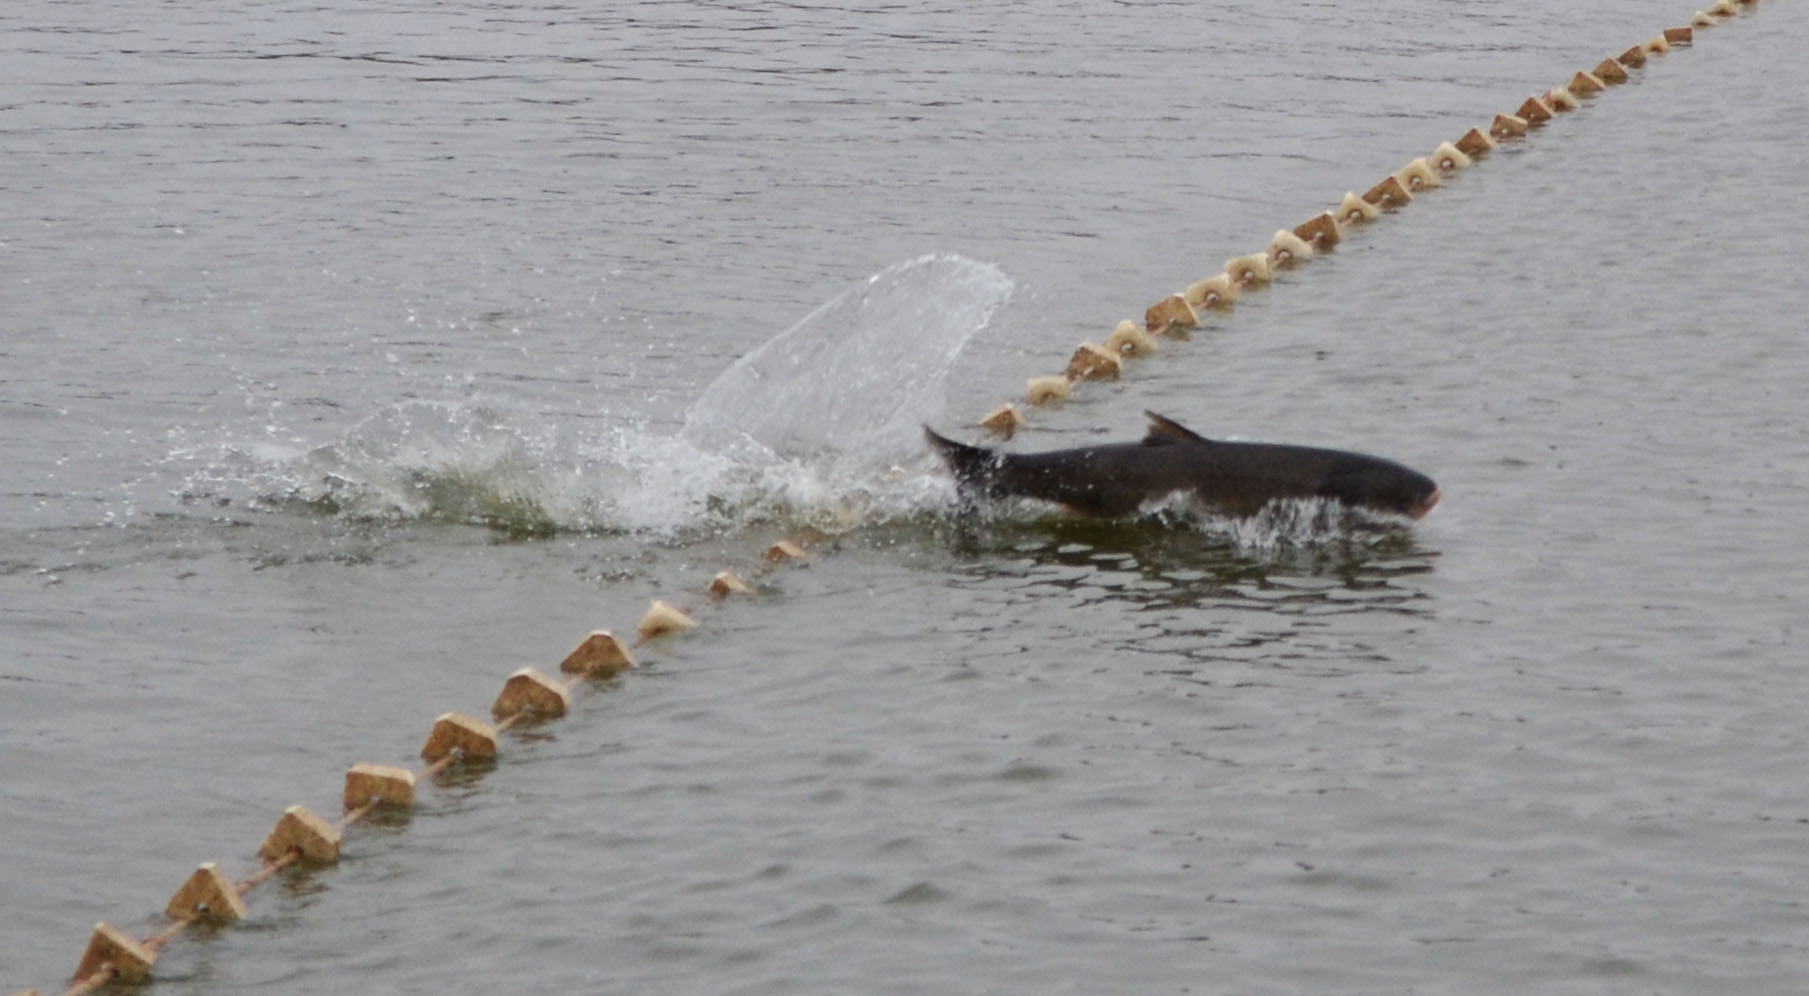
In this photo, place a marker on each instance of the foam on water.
(455, 462)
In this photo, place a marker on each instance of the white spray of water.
(855, 378)
(1281, 524)
(807, 428)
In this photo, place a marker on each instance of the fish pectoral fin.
(1164, 431)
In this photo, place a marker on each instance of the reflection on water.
(1190, 597)
(1152, 562)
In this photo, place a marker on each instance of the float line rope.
(1175, 315)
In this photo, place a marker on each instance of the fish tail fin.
(975, 467)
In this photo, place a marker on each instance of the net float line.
(1175, 316)
(208, 896)
(301, 836)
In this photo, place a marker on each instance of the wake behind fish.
(817, 427)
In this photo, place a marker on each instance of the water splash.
(1286, 523)
(804, 430)
(449, 462)
(856, 377)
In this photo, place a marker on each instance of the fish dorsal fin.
(1165, 431)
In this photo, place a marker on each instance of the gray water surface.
(345, 359)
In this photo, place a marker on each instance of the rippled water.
(357, 356)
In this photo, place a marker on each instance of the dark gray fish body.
(1234, 478)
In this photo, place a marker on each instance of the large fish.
(1234, 478)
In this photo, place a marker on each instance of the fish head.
(1382, 486)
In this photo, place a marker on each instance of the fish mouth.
(1424, 505)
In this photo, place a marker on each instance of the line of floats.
(1175, 315)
